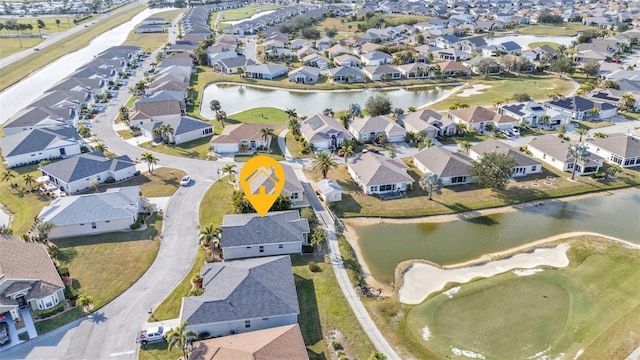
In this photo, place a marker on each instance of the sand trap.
(473, 90)
(467, 353)
(527, 272)
(423, 279)
(426, 333)
(452, 291)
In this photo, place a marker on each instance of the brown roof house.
(525, 165)
(428, 121)
(246, 138)
(28, 281)
(378, 174)
(478, 118)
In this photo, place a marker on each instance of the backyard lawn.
(565, 29)
(152, 41)
(163, 182)
(194, 149)
(244, 12)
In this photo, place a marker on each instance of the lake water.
(253, 17)
(236, 98)
(385, 245)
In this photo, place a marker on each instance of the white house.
(620, 149)
(324, 132)
(242, 137)
(534, 113)
(76, 173)
(113, 210)
(378, 174)
(524, 165)
(367, 128)
(330, 190)
(46, 143)
(252, 235)
(451, 167)
(581, 108)
(242, 296)
(555, 152)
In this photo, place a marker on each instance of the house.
(282, 342)
(113, 210)
(316, 60)
(555, 152)
(347, 60)
(429, 122)
(185, 128)
(452, 54)
(491, 66)
(39, 117)
(452, 68)
(76, 173)
(451, 167)
(337, 50)
(29, 281)
(378, 174)
(416, 71)
(534, 114)
(477, 118)
(330, 190)
(375, 58)
(147, 29)
(472, 44)
(154, 21)
(324, 132)
(242, 296)
(368, 128)
(382, 73)
(305, 75)
(509, 47)
(524, 165)
(265, 71)
(230, 65)
(620, 149)
(46, 143)
(252, 235)
(242, 137)
(346, 74)
(580, 108)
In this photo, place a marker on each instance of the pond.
(236, 98)
(385, 245)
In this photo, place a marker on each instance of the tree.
(546, 120)
(493, 170)
(43, 229)
(562, 65)
(294, 126)
(465, 146)
(319, 237)
(100, 146)
(85, 302)
(344, 120)
(485, 66)
(577, 152)
(95, 184)
(330, 32)
(179, 338)
(355, 110)
(347, 151)
(292, 114)
(215, 106)
(377, 356)
(328, 112)
(521, 97)
(58, 24)
(221, 116)
(426, 143)
(594, 112)
(554, 95)
(591, 68)
(29, 180)
(613, 170)
(378, 105)
(628, 101)
(140, 88)
(599, 135)
(267, 133)
(323, 162)
(150, 159)
(8, 176)
(229, 169)
(561, 131)
(393, 151)
(210, 235)
(581, 132)
(431, 183)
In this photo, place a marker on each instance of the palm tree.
(577, 152)
(294, 126)
(627, 100)
(426, 143)
(150, 159)
(229, 169)
(561, 131)
(292, 114)
(581, 132)
(461, 128)
(43, 229)
(29, 181)
(613, 170)
(344, 120)
(347, 151)
(95, 183)
(179, 337)
(267, 133)
(167, 131)
(546, 120)
(324, 162)
(599, 135)
(100, 146)
(355, 110)
(8, 176)
(86, 302)
(555, 95)
(328, 112)
(594, 112)
(215, 106)
(221, 116)
(210, 235)
(431, 183)
(140, 88)
(465, 146)
(497, 103)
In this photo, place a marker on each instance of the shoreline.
(371, 88)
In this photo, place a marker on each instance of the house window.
(93, 225)
(81, 224)
(534, 168)
(294, 196)
(570, 166)
(265, 319)
(107, 221)
(280, 246)
(374, 188)
(247, 324)
(248, 247)
(261, 249)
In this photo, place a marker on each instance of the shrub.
(70, 292)
(137, 173)
(109, 180)
(598, 176)
(204, 335)
(307, 249)
(336, 345)
(49, 312)
(63, 271)
(195, 292)
(313, 267)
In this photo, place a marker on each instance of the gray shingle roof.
(443, 162)
(619, 144)
(558, 148)
(243, 289)
(188, 124)
(38, 139)
(491, 145)
(319, 126)
(274, 228)
(85, 165)
(375, 169)
(376, 124)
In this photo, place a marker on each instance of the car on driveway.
(186, 180)
(4, 333)
(515, 131)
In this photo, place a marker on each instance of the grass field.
(152, 41)
(347, 28)
(50, 26)
(591, 307)
(21, 202)
(10, 46)
(566, 29)
(194, 149)
(536, 44)
(244, 12)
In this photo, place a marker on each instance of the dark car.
(4, 333)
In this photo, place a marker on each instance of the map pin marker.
(262, 180)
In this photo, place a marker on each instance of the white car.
(186, 180)
(515, 131)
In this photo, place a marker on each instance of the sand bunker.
(473, 90)
(423, 279)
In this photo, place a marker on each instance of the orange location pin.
(262, 180)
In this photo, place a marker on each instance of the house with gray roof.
(38, 117)
(185, 128)
(324, 132)
(524, 165)
(429, 122)
(555, 152)
(533, 113)
(75, 173)
(243, 137)
(81, 84)
(368, 128)
(230, 65)
(305, 75)
(620, 149)
(378, 174)
(265, 71)
(382, 72)
(113, 210)
(451, 167)
(346, 74)
(347, 60)
(33, 146)
(580, 108)
(242, 296)
(375, 58)
(252, 235)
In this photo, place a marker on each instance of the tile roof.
(557, 148)
(273, 228)
(376, 169)
(188, 124)
(443, 162)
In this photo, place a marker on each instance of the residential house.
(509, 47)
(297, 44)
(472, 44)
(338, 50)
(620, 149)
(375, 58)
(580, 108)
(429, 122)
(378, 174)
(76, 173)
(533, 114)
(28, 281)
(324, 44)
(324, 132)
(282, 342)
(524, 164)
(555, 152)
(185, 128)
(79, 215)
(154, 21)
(305, 75)
(230, 65)
(452, 68)
(330, 190)
(382, 73)
(316, 60)
(147, 29)
(305, 51)
(292, 187)
(452, 54)
(242, 296)
(242, 137)
(491, 66)
(40, 117)
(368, 128)
(477, 118)
(46, 143)
(347, 60)
(97, 86)
(416, 71)
(265, 71)
(346, 74)
(144, 113)
(252, 235)
(451, 167)
(446, 41)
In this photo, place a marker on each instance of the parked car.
(4, 333)
(186, 180)
(151, 335)
(515, 131)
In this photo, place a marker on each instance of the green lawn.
(566, 29)
(60, 320)
(148, 41)
(66, 22)
(10, 46)
(591, 306)
(194, 149)
(24, 204)
(243, 12)
(163, 182)
(536, 44)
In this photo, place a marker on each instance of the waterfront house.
(35, 145)
(477, 118)
(620, 149)
(305, 75)
(378, 174)
(368, 128)
(265, 71)
(524, 164)
(451, 167)
(581, 108)
(346, 74)
(324, 132)
(555, 152)
(429, 122)
(242, 137)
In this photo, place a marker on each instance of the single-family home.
(242, 296)
(113, 210)
(524, 164)
(483, 65)
(452, 168)
(296, 44)
(472, 44)
(324, 132)
(305, 75)
(477, 118)
(368, 128)
(555, 152)
(147, 29)
(46, 143)
(375, 58)
(452, 68)
(316, 60)
(429, 122)
(39, 117)
(242, 137)
(346, 74)
(416, 71)
(620, 149)
(580, 108)
(282, 342)
(382, 73)
(76, 173)
(378, 174)
(252, 235)
(534, 114)
(338, 50)
(265, 71)
(347, 60)
(185, 128)
(230, 65)
(509, 47)
(452, 54)
(330, 190)
(29, 281)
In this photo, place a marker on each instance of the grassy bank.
(564, 29)
(194, 149)
(152, 41)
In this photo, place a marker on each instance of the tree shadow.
(97, 317)
(67, 255)
(347, 204)
(309, 318)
